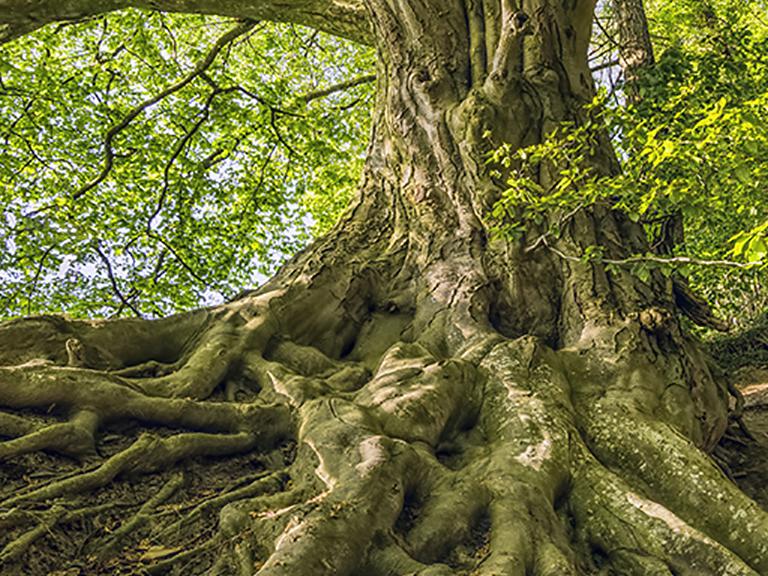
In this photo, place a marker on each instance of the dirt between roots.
(747, 459)
(70, 548)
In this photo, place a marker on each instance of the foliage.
(695, 143)
(214, 184)
(550, 177)
(209, 187)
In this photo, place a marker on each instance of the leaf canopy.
(154, 162)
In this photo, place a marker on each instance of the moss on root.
(505, 457)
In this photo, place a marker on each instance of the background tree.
(692, 142)
(633, 41)
(415, 392)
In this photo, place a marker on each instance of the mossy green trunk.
(410, 395)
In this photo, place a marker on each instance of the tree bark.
(411, 394)
(346, 18)
(635, 48)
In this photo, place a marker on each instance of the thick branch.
(346, 84)
(345, 18)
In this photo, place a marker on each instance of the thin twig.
(176, 255)
(204, 115)
(656, 259)
(605, 32)
(39, 271)
(113, 281)
(604, 65)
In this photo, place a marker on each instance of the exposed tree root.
(20, 545)
(640, 536)
(268, 483)
(499, 457)
(685, 480)
(147, 454)
(45, 523)
(73, 438)
(737, 414)
(182, 557)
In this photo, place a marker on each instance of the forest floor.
(746, 459)
(743, 358)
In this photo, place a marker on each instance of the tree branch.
(179, 148)
(346, 18)
(199, 70)
(309, 96)
(113, 282)
(667, 261)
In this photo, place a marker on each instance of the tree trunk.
(411, 394)
(635, 48)
(636, 56)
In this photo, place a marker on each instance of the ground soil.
(747, 458)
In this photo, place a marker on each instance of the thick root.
(501, 457)
(659, 460)
(642, 537)
(73, 438)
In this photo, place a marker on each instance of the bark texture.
(345, 18)
(635, 48)
(411, 394)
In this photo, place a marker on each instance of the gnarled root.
(500, 457)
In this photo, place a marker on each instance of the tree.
(692, 143)
(634, 39)
(416, 393)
